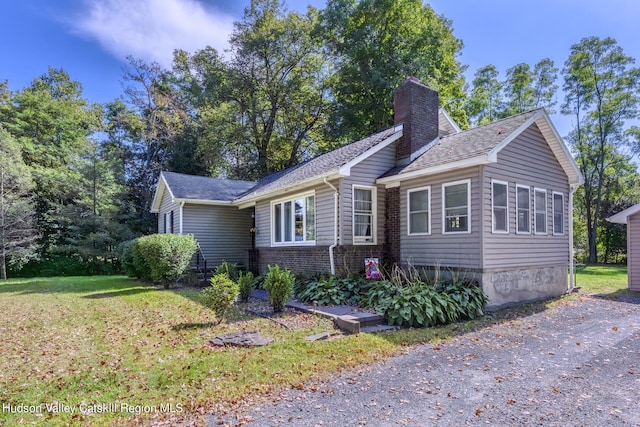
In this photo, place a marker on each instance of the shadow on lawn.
(70, 285)
(120, 293)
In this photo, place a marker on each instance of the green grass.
(602, 279)
(85, 341)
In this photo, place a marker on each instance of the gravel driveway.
(576, 364)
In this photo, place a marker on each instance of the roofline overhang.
(346, 169)
(246, 202)
(162, 184)
(394, 180)
(446, 115)
(622, 217)
(203, 202)
(341, 172)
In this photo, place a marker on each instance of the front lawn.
(114, 350)
(117, 350)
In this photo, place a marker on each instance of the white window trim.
(493, 223)
(528, 188)
(292, 199)
(535, 212)
(413, 190)
(553, 212)
(444, 209)
(374, 214)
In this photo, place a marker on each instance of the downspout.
(335, 225)
(181, 211)
(572, 274)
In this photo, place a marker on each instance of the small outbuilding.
(631, 217)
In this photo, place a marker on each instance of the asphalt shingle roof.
(467, 144)
(205, 188)
(318, 166)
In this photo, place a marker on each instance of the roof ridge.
(504, 119)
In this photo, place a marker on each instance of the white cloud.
(152, 29)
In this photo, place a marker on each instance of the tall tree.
(518, 89)
(545, 75)
(52, 123)
(601, 92)
(17, 221)
(485, 101)
(376, 45)
(148, 130)
(259, 111)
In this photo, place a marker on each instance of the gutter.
(572, 273)
(335, 225)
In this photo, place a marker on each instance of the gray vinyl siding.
(166, 205)
(438, 249)
(365, 174)
(222, 231)
(324, 200)
(526, 161)
(633, 251)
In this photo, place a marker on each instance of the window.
(294, 220)
(558, 213)
(419, 220)
(523, 209)
(168, 222)
(540, 208)
(364, 224)
(500, 206)
(455, 199)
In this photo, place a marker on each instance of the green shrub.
(470, 299)
(279, 285)
(127, 260)
(221, 295)
(228, 268)
(163, 258)
(323, 291)
(246, 283)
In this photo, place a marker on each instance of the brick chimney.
(416, 108)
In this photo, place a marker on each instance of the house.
(631, 217)
(493, 202)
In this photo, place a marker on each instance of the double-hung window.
(540, 208)
(419, 202)
(456, 201)
(364, 218)
(558, 213)
(294, 220)
(500, 206)
(523, 209)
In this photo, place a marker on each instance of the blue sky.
(91, 38)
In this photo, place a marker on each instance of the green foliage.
(17, 222)
(376, 45)
(279, 285)
(228, 268)
(419, 304)
(127, 260)
(469, 298)
(247, 284)
(332, 290)
(163, 258)
(602, 90)
(221, 295)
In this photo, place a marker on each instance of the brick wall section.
(392, 226)
(315, 259)
(416, 107)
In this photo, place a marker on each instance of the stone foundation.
(315, 259)
(523, 285)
